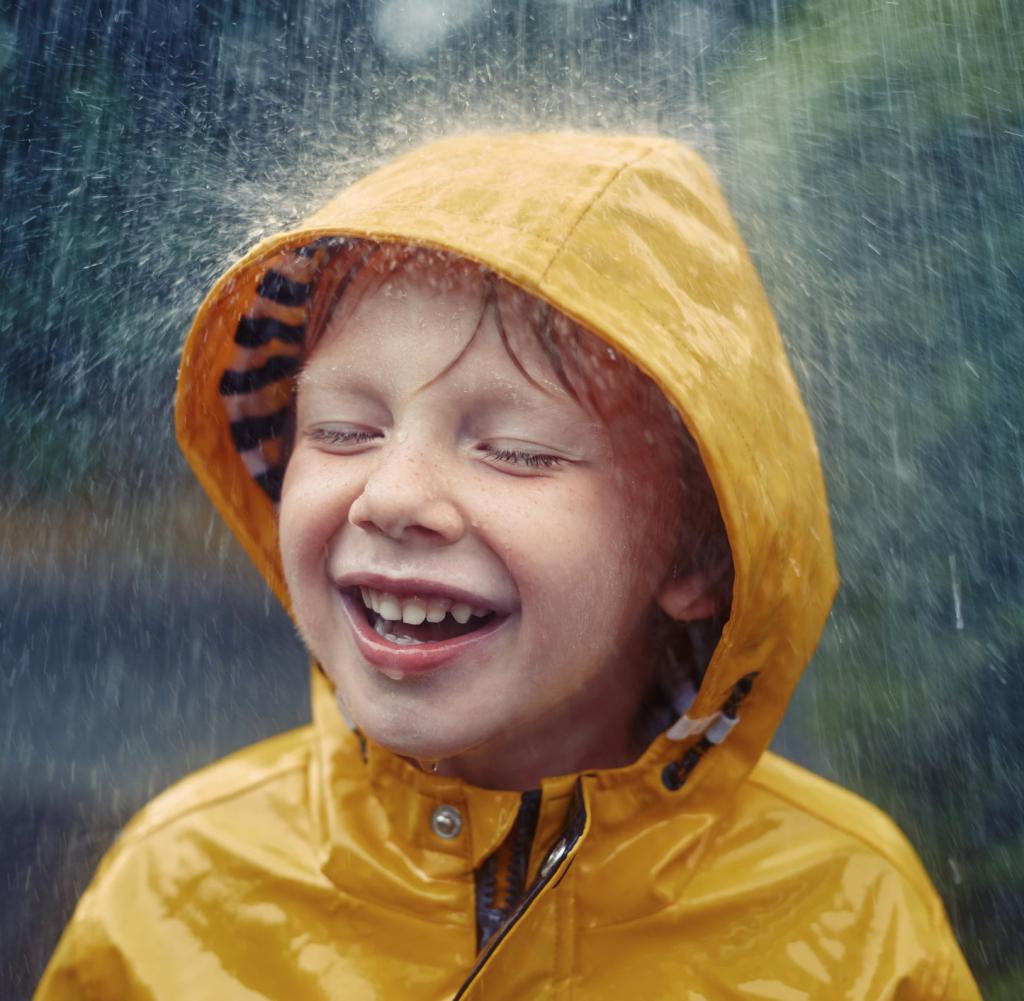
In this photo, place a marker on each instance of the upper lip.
(422, 587)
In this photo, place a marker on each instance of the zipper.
(495, 920)
(501, 881)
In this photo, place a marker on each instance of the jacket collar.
(374, 817)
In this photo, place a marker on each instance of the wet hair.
(593, 374)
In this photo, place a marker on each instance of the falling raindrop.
(873, 155)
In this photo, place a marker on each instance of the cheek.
(574, 546)
(630, 543)
(313, 505)
(649, 494)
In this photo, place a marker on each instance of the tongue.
(433, 632)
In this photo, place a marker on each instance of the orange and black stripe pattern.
(258, 387)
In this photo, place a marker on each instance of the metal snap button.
(446, 822)
(560, 850)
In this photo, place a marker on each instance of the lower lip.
(391, 658)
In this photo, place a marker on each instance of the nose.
(407, 495)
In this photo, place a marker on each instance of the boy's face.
(428, 473)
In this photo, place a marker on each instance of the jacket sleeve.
(960, 986)
(87, 966)
(959, 983)
(945, 976)
(60, 981)
(89, 963)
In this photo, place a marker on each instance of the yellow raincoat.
(318, 865)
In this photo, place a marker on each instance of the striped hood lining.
(258, 387)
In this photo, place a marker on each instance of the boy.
(505, 427)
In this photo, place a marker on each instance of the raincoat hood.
(316, 864)
(630, 237)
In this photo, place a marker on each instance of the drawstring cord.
(675, 773)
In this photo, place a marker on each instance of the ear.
(689, 597)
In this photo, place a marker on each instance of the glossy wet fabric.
(314, 865)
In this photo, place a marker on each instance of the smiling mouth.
(411, 621)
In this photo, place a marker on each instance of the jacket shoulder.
(238, 774)
(845, 816)
(218, 831)
(832, 842)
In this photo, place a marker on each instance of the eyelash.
(336, 436)
(507, 456)
(515, 457)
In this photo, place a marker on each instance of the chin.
(414, 733)
(420, 746)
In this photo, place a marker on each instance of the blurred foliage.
(874, 153)
(898, 133)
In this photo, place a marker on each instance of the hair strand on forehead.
(545, 334)
(491, 296)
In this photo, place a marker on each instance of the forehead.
(418, 319)
(414, 317)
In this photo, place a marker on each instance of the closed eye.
(521, 457)
(335, 437)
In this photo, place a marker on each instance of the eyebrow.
(329, 385)
(330, 380)
(492, 397)
(564, 415)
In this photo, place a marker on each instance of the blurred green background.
(873, 151)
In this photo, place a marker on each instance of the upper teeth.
(416, 611)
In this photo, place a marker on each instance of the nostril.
(404, 519)
(401, 504)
